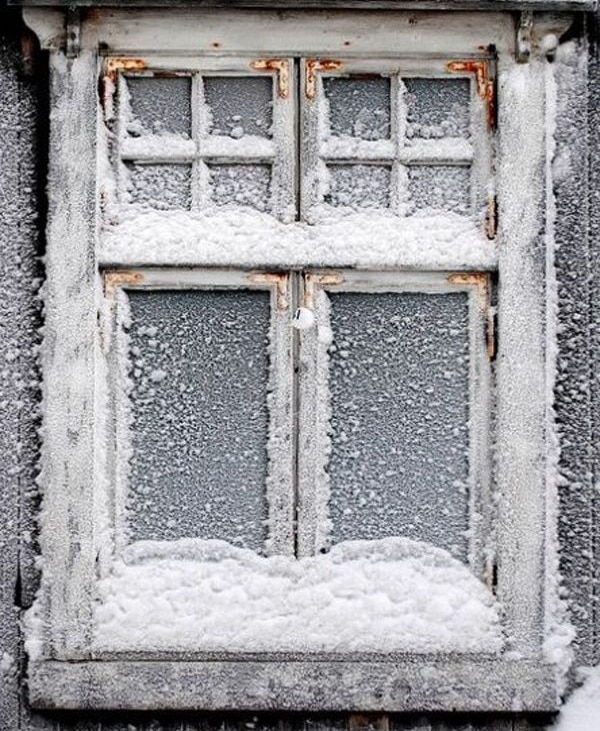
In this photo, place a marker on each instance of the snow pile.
(242, 236)
(372, 596)
(582, 711)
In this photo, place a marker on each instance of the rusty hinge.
(491, 333)
(481, 280)
(121, 278)
(318, 279)
(486, 88)
(491, 217)
(279, 279)
(311, 67)
(281, 66)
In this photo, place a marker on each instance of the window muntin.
(422, 147)
(218, 136)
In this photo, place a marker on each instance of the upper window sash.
(425, 146)
(201, 152)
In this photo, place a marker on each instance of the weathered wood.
(68, 358)
(428, 685)
(365, 4)
(333, 33)
(521, 453)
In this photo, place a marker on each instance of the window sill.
(415, 683)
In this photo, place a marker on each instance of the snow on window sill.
(249, 238)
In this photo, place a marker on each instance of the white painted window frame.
(63, 672)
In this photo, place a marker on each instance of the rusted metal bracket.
(524, 36)
(481, 281)
(491, 217)
(112, 66)
(312, 66)
(73, 28)
(121, 278)
(312, 280)
(281, 282)
(486, 87)
(282, 68)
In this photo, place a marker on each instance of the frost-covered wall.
(576, 176)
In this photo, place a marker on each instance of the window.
(285, 469)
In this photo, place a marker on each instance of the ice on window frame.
(155, 377)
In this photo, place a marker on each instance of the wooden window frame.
(63, 672)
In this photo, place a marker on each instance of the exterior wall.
(576, 175)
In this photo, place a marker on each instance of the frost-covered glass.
(399, 383)
(160, 187)
(239, 105)
(437, 108)
(241, 185)
(359, 107)
(198, 370)
(439, 188)
(359, 186)
(160, 106)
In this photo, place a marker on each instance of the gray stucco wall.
(23, 95)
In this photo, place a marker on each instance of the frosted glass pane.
(437, 108)
(240, 105)
(359, 186)
(241, 185)
(160, 106)
(399, 394)
(359, 107)
(440, 188)
(161, 187)
(199, 386)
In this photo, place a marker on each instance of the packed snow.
(389, 595)
(582, 711)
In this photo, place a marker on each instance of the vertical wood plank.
(68, 354)
(521, 448)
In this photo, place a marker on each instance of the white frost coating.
(582, 710)
(248, 147)
(559, 633)
(157, 147)
(379, 596)
(252, 238)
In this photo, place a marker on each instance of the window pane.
(440, 188)
(198, 398)
(240, 105)
(241, 185)
(359, 107)
(437, 108)
(160, 106)
(359, 186)
(399, 388)
(161, 187)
